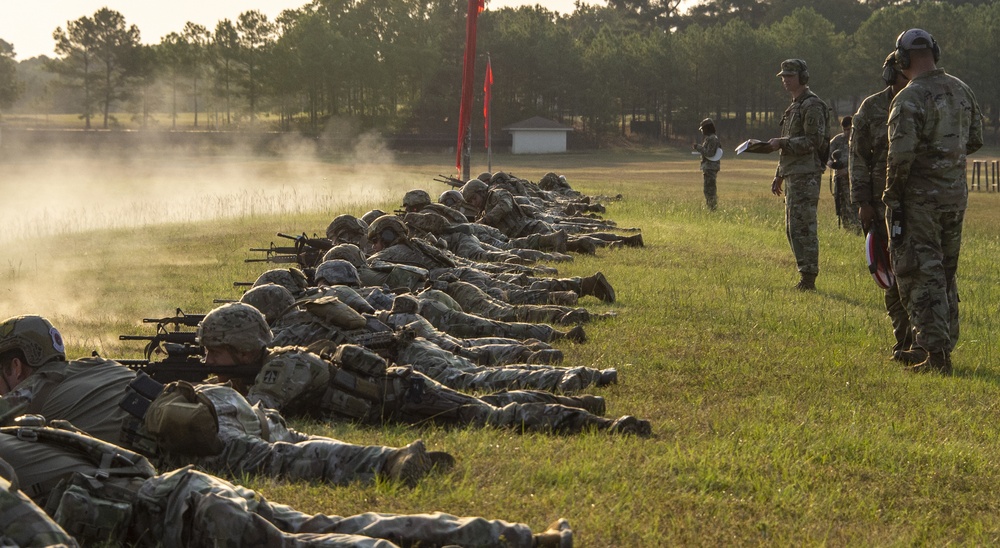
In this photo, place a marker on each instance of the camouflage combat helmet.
(345, 224)
(416, 199)
(549, 181)
(35, 336)
(405, 304)
(451, 198)
(292, 279)
(348, 252)
(473, 188)
(389, 229)
(270, 299)
(237, 325)
(500, 177)
(337, 272)
(485, 176)
(370, 217)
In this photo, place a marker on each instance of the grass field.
(777, 418)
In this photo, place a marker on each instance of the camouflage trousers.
(417, 399)
(189, 508)
(902, 331)
(461, 374)
(22, 523)
(709, 187)
(469, 326)
(801, 200)
(476, 301)
(925, 262)
(847, 214)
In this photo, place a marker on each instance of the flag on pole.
(468, 71)
(487, 96)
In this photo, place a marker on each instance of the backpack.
(824, 147)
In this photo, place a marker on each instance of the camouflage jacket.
(708, 148)
(934, 122)
(803, 132)
(84, 392)
(503, 212)
(869, 146)
(838, 146)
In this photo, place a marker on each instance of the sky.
(29, 25)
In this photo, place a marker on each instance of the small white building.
(538, 136)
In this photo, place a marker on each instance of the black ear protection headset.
(889, 72)
(804, 77)
(905, 41)
(388, 236)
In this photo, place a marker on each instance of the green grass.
(777, 418)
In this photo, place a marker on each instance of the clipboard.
(754, 146)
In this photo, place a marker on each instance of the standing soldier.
(839, 159)
(869, 145)
(709, 149)
(934, 122)
(803, 137)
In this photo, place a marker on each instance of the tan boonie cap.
(792, 66)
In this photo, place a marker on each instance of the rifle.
(278, 259)
(189, 368)
(450, 181)
(178, 319)
(317, 244)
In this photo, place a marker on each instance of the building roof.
(538, 123)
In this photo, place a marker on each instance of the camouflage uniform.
(848, 216)
(803, 132)
(476, 301)
(84, 392)
(710, 168)
(22, 523)
(934, 122)
(357, 384)
(127, 503)
(869, 146)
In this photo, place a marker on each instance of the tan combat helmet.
(237, 325)
(473, 188)
(416, 199)
(337, 272)
(271, 299)
(348, 252)
(345, 224)
(292, 279)
(389, 229)
(35, 337)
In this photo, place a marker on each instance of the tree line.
(395, 65)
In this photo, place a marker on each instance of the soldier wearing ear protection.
(934, 123)
(803, 146)
(869, 146)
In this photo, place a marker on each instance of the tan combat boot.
(598, 286)
(910, 356)
(410, 463)
(558, 535)
(807, 283)
(936, 362)
(582, 245)
(555, 241)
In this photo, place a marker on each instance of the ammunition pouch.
(360, 360)
(410, 277)
(331, 309)
(95, 511)
(184, 421)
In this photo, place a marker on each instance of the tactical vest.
(92, 507)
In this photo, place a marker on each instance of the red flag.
(468, 71)
(487, 96)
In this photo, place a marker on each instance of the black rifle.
(178, 319)
(189, 368)
(450, 181)
(278, 259)
(317, 244)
